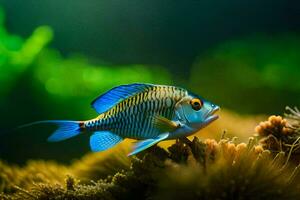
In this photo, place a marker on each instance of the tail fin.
(66, 129)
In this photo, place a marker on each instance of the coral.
(294, 118)
(275, 125)
(281, 134)
(194, 169)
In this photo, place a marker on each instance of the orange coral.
(241, 148)
(280, 134)
(275, 125)
(229, 150)
(258, 149)
(212, 146)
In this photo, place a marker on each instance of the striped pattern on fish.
(132, 117)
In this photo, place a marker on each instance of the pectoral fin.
(144, 144)
(163, 124)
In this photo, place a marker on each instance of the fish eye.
(196, 104)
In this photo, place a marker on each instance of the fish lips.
(211, 117)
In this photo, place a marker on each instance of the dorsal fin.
(114, 96)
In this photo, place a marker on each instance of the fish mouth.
(211, 117)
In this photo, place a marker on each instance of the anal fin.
(144, 144)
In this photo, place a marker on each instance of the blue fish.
(146, 112)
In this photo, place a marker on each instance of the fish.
(146, 112)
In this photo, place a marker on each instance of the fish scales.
(132, 117)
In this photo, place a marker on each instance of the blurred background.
(56, 56)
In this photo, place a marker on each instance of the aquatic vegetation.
(260, 66)
(52, 70)
(95, 166)
(51, 75)
(90, 167)
(17, 54)
(188, 169)
(12, 176)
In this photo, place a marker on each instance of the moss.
(12, 177)
(95, 166)
(207, 169)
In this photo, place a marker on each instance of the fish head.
(195, 111)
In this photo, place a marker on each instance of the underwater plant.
(17, 54)
(270, 60)
(188, 169)
(33, 172)
(95, 166)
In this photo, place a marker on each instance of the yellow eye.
(196, 104)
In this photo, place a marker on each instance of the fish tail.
(66, 129)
